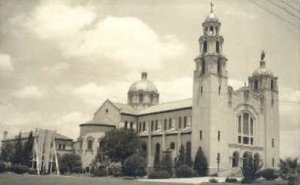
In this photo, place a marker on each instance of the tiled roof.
(26, 135)
(127, 109)
(173, 105)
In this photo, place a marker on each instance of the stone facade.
(229, 125)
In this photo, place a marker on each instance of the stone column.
(178, 142)
(163, 143)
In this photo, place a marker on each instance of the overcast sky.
(59, 60)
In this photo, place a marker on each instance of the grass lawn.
(14, 179)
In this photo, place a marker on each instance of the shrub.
(249, 170)
(294, 180)
(2, 167)
(32, 171)
(228, 179)
(269, 174)
(77, 169)
(99, 172)
(20, 169)
(213, 180)
(68, 162)
(185, 171)
(161, 174)
(167, 164)
(200, 163)
(115, 168)
(135, 166)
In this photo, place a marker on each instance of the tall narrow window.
(219, 90)
(131, 125)
(219, 135)
(219, 67)
(184, 121)
(126, 125)
(273, 142)
(144, 126)
(217, 47)
(201, 90)
(211, 30)
(273, 162)
(200, 134)
(165, 124)
(141, 98)
(272, 84)
(204, 46)
(152, 125)
(255, 84)
(156, 124)
(245, 123)
(179, 122)
(170, 123)
(251, 126)
(239, 124)
(90, 144)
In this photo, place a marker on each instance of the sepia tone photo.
(149, 92)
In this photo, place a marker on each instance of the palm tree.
(289, 169)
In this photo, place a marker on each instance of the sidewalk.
(192, 180)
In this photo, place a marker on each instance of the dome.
(143, 85)
(262, 70)
(211, 17)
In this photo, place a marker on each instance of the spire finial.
(211, 7)
(262, 55)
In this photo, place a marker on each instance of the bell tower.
(210, 88)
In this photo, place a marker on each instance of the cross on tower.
(211, 7)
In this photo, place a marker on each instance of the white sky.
(59, 60)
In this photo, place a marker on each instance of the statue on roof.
(262, 55)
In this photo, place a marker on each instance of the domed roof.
(143, 85)
(211, 17)
(262, 70)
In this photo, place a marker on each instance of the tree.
(180, 159)
(167, 164)
(135, 166)
(289, 169)
(18, 155)
(200, 163)
(69, 162)
(119, 144)
(28, 149)
(7, 153)
(188, 159)
(249, 170)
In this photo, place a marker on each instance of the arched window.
(245, 128)
(90, 144)
(211, 30)
(235, 159)
(172, 146)
(141, 97)
(217, 47)
(204, 46)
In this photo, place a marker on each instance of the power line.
(283, 8)
(267, 10)
(290, 5)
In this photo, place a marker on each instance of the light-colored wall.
(112, 117)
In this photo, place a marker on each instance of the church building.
(229, 125)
